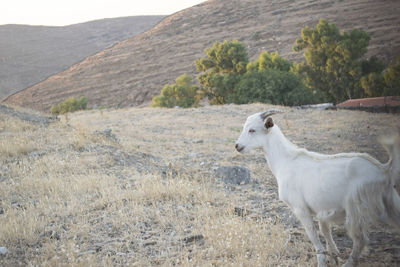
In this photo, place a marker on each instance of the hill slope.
(132, 72)
(29, 54)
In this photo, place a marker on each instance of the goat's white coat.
(350, 188)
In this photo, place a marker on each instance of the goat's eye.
(252, 131)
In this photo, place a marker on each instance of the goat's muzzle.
(239, 148)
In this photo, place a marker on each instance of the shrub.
(182, 94)
(70, 105)
(270, 79)
(272, 86)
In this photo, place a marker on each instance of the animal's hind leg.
(325, 228)
(392, 205)
(359, 241)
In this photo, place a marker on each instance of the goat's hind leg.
(325, 229)
(392, 205)
(358, 245)
(305, 218)
(359, 238)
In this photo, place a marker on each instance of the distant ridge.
(29, 54)
(131, 72)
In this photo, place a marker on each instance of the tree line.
(335, 69)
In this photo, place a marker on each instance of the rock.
(51, 235)
(91, 251)
(193, 238)
(149, 243)
(323, 106)
(241, 212)
(37, 154)
(107, 133)
(235, 175)
(3, 251)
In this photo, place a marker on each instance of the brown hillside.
(132, 72)
(30, 54)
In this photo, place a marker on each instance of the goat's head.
(255, 129)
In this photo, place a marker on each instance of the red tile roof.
(391, 101)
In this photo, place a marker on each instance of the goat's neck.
(278, 150)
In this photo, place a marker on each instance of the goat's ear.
(269, 123)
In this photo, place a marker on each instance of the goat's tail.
(392, 146)
(392, 199)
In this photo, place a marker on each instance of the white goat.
(348, 188)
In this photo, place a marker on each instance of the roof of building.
(371, 102)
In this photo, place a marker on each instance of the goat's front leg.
(305, 218)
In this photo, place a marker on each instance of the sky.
(67, 12)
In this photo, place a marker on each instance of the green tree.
(182, 94)
(373, 84)
(392, 79)
(221, 70)
(270, 61)
(377, 83)
(372, 65)
(333, 62)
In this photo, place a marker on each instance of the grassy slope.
(72, 196)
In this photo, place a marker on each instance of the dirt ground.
(138, 187)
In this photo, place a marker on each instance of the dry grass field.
(137, 187)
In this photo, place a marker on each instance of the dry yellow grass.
(70, 196)
(17, 137)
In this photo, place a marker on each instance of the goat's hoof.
(348, 264)
(335, 258)
(322, 260)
